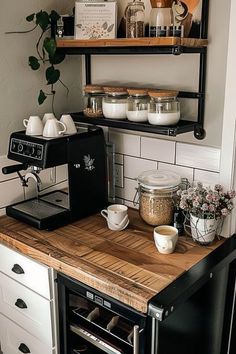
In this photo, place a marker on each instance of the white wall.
(19, 85)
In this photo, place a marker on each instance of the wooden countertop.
(123, 264)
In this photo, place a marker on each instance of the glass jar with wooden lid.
(114, 102)
(93, 95)
(137, 105)
(135, 16)
(164, 107)
(157, 190)
(160, 20)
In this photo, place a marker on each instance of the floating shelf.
(183, 126)
(145, 45)
(132, 42)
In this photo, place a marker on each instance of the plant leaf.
(52, 75)
(34, 63)
(57, 58)
(30, 18)
(42, 19)
(42, 97)
(110, 28)
(54, 16)
(50, 46)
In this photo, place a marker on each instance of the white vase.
(203, 230)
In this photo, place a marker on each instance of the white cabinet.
(27, 305)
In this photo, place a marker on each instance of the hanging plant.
(47, 56)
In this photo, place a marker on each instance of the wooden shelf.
(132, 42)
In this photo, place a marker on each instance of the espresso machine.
(84, 153)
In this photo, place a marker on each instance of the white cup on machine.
(116, 216)
(33, 125)
(53, 128)
(48, 116)
(69, 123)
(165, 238)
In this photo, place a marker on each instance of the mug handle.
(25, 122)
(64, 127)
(104, 213)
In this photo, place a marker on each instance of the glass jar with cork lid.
(137, 105)
(157, 190)
(114, 102)
(135, 16)
(93, 95)
(164, 107)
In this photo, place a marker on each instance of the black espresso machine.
(85, 156)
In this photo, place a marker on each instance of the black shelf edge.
(184, 126)
(171, 49)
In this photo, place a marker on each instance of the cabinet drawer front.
(28, 309)
(25, 270)
(15, 340)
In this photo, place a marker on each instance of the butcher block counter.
(123, 264)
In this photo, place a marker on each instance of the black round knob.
(20, 148)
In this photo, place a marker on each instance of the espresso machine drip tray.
(38, 208)
(46, 212)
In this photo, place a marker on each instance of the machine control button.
(20, 147)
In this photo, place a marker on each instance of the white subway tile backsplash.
(61, 173)
(158, 149)
(125, 143)
(129, 190)
(184, 172)
(206, 177)
(133, 166)
(11, 192)
(202, 157)
(119, 158)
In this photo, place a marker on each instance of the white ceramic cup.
(116, 216)
(34, 125)
(165, 238)
(70, 125)
(53, 128)
(48, 116)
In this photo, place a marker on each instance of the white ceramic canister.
(114, 103)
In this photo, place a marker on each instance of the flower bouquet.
(205, 208)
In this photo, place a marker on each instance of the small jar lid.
(115, 90)
(93, 89)
(137, 92)
(156, 180)
(163, 93)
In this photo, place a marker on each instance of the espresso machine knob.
(20, 148)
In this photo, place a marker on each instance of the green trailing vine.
(47, 56)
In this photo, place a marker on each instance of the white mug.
(165, 238)
(34, 125)
(48, 116)
(116, 216)
(70, 125)
(53, 128)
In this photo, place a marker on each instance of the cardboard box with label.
(95, 19)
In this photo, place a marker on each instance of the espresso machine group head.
(84, 153)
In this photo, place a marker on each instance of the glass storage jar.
(156, 196)
(93, 95)
(135, 16)
(137, 105)
(114, 102)
(160, 21)
(163, 108)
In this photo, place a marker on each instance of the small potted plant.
(206, 209)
